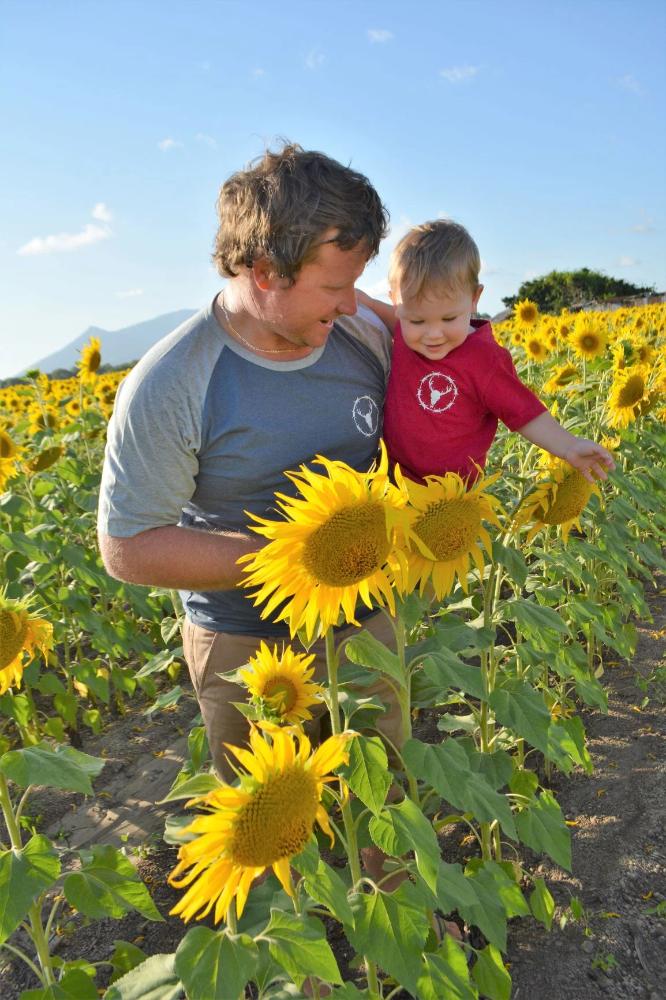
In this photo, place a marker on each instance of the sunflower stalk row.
(508, 598)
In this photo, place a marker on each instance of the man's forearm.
(178, 558)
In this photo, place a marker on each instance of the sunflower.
(282, 682)
(44, 459)
(559, 499)
(561, 377)
(9, 456)
(644, 351)
(335, 546)
(261, 823)
(8, 447)
(526, 313)
(535, 347)
(564, 325)
(73, 408)
(446, 518)
(518, 338)
(42, 418)
(628, 391)
(91, 358)
(21, 632)
(588, 338)
(550, 336)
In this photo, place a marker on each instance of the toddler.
(450, 380)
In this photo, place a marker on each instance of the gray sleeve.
(151, 454)
(367, 327)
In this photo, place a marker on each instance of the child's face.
(436, 323)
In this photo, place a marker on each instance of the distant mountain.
(118, 346)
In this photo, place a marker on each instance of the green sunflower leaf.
(490, 974)
(154, 979)
(367, 772)
(74, 985)
(446, 974)
(402, 828)
(366, 650)
(448, 770)
(108, 886)
(57, 767)
(24, 875)
(542, 827)
(215, 964)
(299, 945)
(391, 929)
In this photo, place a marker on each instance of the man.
(265, 378)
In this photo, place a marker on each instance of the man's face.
(304, 312)
(433, 325)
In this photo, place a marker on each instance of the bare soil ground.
(619, 849)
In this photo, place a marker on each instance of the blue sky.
(540, 126)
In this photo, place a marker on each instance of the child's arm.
(589, 458)
(384, 310)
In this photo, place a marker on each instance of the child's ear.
(477, 296)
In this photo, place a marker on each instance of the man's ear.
(265, 276)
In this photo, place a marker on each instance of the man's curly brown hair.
(281, 204)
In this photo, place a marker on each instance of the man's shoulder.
(184, 356)
(367, 328)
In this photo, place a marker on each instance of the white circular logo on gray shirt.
(436, 392)
(366, 415)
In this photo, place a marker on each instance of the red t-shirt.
(441, 416)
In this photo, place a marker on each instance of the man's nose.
(348, 305)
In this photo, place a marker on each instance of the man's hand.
(591, 460)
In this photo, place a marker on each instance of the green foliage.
(24, 875)
(559, 290)
(215, 964)
(107, 886)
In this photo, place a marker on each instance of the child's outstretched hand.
(590, 458)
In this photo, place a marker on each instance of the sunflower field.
(503, 600)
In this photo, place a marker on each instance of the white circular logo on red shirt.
(436, 392)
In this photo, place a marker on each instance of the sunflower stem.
(232, 919)
(332, 665)
(11, 822)
(405, 700)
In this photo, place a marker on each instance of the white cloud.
(458, 74)
(630, 83)
(487, 271)
(101, 212)
(63, 242)
(643, 227)
(258, 71)
(314, 59)
(207, 139)
(378, 290)
(169, 143)
(625, 261)
(131, 293)
(379, 35)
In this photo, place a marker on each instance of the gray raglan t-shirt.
(204, 430)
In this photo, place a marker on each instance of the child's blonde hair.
(438, 255)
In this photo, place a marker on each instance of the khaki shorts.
(208, 654)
